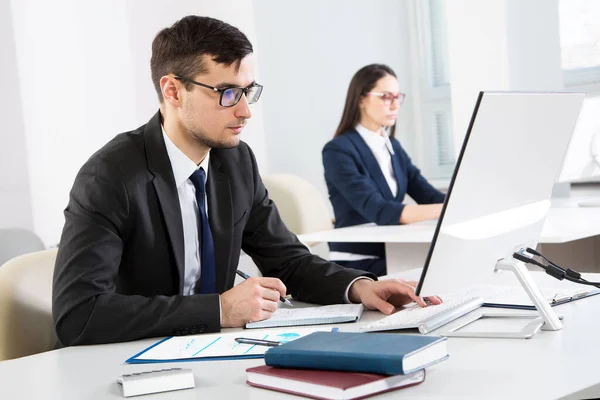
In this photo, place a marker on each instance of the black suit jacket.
(120, 265)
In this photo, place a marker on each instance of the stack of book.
(343, 365)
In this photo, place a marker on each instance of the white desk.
(551, 365)
(570, 237)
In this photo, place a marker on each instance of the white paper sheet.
(220, 345)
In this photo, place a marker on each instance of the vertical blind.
(440, 74)
(443, 138)
(439, 79)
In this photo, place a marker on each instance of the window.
(580, 43)
(438, 44)
(433, 111)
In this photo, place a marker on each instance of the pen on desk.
(258, 342)
(246, 276)
(581, 293)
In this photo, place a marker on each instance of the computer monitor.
(500, 192)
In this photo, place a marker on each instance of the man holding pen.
(157, 218)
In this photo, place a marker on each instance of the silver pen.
(579, 294)
(258, 342)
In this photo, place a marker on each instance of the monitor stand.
(543, 318)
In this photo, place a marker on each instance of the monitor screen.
(501, 188)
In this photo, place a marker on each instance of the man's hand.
(254, 299)
(386, 295)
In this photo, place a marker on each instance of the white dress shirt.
(183, 168)
(380, 145)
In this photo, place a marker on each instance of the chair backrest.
(302, 208)
(26, 325)
(15, 241)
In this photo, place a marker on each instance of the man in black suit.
(158, 216)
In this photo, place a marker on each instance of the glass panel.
(440, 73)
(254, 94)
(229, 97)
(579, 33)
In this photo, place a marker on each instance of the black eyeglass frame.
(223, 90)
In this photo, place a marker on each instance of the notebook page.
(332, 314)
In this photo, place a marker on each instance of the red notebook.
(318, 384)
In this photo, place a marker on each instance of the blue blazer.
(359, 192)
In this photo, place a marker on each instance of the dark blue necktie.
(208, 274)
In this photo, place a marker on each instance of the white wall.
(15, 195)
(146, 19)
(75, 78)
(84, 77)
(309, 51)
(500, 45)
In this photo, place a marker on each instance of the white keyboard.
(428, 318)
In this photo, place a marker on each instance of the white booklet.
(334, 314)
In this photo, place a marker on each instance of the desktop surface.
(477, 368)
(564, 223)
(570, 236)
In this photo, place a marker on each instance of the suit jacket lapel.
(166, 190)
(398, 172)
(220, 217)
(371, 163)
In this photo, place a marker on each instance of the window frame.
(585, 79)
(429, 99)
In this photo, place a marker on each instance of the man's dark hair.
(179, 49)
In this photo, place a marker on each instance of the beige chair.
(302, 207)
(16, 241)
(26, 305)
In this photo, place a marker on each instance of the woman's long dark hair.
(362, 82)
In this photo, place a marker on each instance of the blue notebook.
(378, 353)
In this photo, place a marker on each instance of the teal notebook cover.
(378, 353)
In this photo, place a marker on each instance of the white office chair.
(302, 208)
(15, 241)
(26, 325)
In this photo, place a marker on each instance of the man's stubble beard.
(199, 136)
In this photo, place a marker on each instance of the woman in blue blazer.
(367, 171)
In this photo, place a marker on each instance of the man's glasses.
(388, 97)
(230, 96)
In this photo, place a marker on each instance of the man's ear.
(171, 90)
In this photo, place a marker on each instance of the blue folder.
(135, 360)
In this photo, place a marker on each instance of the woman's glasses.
(230, 96)
(388, 97)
